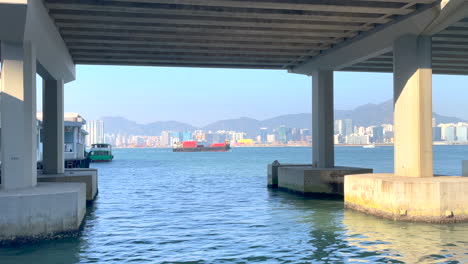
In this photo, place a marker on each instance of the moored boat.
(100, 152)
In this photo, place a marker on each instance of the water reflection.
(406, 242)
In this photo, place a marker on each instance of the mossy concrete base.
(309, 180)
(442, 199)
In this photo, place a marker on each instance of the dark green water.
(156, 206)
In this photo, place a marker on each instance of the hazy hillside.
(365, 115)
(124, 126)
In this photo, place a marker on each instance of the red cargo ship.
(193, 146)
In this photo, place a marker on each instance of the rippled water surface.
(155, 206)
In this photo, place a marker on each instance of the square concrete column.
(18, 122)
(413, 106)
(322, 119)
(465, 168)
(53, 128)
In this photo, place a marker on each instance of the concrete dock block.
(272, 171)
(465, 168)
(308, 180)
(441, 199)
(83, 175)
(44, 211)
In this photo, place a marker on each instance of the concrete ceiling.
(266, 34)
(449, 53)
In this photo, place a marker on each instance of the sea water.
(156, 206)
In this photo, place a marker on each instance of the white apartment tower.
(96, 132)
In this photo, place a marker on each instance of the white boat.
(369, 146)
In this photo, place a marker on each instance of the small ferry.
(369, 146)
(193, 146)
(100, 152)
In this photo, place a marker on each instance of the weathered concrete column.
(413, 106)
(18, 122)
(322, 119)
(465, 168)
(53, 142)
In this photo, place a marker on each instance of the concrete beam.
(451, 11)
(29, 21)
(413, 106)
(52, 53)
(18, 109)
(352, 8)
(56, 7)
(369, 44)
(53, 127)
(322, 119)
(176, 20)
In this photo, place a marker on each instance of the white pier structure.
(411, 38)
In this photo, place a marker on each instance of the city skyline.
(200, 96)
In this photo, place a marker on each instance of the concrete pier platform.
(82, 175)
(465, 168)
(41, 212)
(309, 180)
(441, 199)
(272, 170)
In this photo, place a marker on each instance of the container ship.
(193, 146)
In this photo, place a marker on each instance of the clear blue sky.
(200, 96)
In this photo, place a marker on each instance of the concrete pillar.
(465, 168)
(322, 119)
(18, 122)
(53, 129)
(413, 106)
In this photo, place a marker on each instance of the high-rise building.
(348, 127)
(95, 131)
(186, 136)
(450, 134)
(263, 134)
(437, 134)
(283, 134)
(165, 138)
(338, 127)
(378, 134)
(462, 134)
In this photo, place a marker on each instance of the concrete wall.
(40, 212)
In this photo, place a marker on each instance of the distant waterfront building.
(305, 134)
(165, 138)
(339, 127)
(271, 138)
(337, 139)
(358, 140)
(263, 134)
(175, 137)
(462, 134)
(378, 134)
(186, 136)
(95, 131)
(283, 134)
(348, 127)
(437, 134)
(450, 134)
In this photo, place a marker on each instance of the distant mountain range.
(365, 115)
